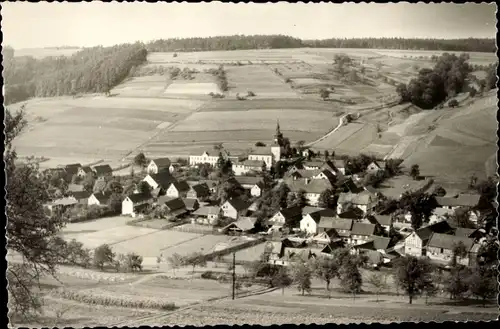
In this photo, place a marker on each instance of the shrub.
(209, 275)
(453, 103)
(250, 94)
(260, 144)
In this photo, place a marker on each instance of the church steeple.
(278, 136)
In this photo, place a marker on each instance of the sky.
(43, 24)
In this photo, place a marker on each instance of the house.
(338, 167)
(72, 169)
(248, 166)
(440, 214)
(178, 189)
(99, 199)
(212, 184)
(416, 242)
(208, 159)
(341, 226)
(191, 204)
(157, 192)
(457, 201)
(84, 171)
(162, 179)
(375, 167)
(325, 174)
(313, 165)
(82, 196)
(75, 188)
(309, 222)
(201, 192)
(274, 250)
(103, 170)
(135, 202)
(361, 233)
(289, 216)
(378, 250)
(440, 248)
(257, 189)
(247, 182)
(244, 224)
(176, 207)
(471, 233)
(312, 187)
(363, 200)
(61, 204)
(384, 221)
(327, 237)
(329, 249)
(235, 208)
(207, 215)
(262, 154)
(159, 165)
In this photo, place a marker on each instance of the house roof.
(210, 183)
(181, 186)
(244, 223)
(338, 163)
(157, 191)
(72, 165)
(291, 213)
(86, 169)
(261, 150)
(424, 233)
(448, 241)
(335, 244)
(64, 201)
(201, 190)
(163, 178)
(175, 204)
(75, 188)
(354, 213)
(303, 173)
(309, 210)
(139, 197)
(336, 223)
(190, 203)
(313, 163)
(464, 232)
(316, 186)
(238, 204)
(254, 206)
(81, 195)
(465, 200)
(252, 163)
(248, 180)
(329, 175)
(376, 243)
(384, 220)
(103, 169)
(362, 228)
(162, 162)
(362, 198)
(205, 211)
(102, 197)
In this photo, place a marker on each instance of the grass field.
(45, 52)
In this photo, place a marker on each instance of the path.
(341, 123)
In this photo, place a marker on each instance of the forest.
(90, 70)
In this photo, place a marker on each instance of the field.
(164, 117)
(45, 52)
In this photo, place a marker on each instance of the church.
(270, 155)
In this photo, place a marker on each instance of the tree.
(483, 283)
(144, 188)
(459, 251)
(379, 282)
(415, 172)
(324, 94)
(103, 255)
(204, 172)
(30, 233)
(327, 199)
(439, 191)
(140, 160)
(302, 276)
(420, 205)
(88, 182)
(194, 259)
(350, 277)
(413, 275)
(175, 261)
(457, 285)
(133, 262)
(430, 290)
(281, 279)
(260, 144)
(115, 202)
(326, 269)
(453, 103)
(326, 155)
(301, 200)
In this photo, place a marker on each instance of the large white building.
(207, 158)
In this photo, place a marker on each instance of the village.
(300, 203)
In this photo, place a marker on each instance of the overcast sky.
(30, 25)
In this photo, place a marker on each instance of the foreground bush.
(96, 298)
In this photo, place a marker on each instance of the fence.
(223, 252)
(198, 229)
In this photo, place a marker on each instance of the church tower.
(277, 148)
(278, 136)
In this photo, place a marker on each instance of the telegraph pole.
(234, 272)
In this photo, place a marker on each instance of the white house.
(159, 165)
(416, 242)
(99, 199)
(440, 247)
(162, 179)
(84, 171)
(310, 221)
(460, 200)
(361, 233)
(247, 166)
(135, 202)
(234, 208)
(256, 190)
(375, 167)
(207, 215)
(363, 200)
(312, 188)
(289, 216)
(262, 154)
(178, 189)
(207, 158)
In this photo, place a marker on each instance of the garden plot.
(248, 254)
(201, 243)
(269, 104)
(95, 225)
(150, 86)
(315, 122)
(258, 79)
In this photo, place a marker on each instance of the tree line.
(90, 70)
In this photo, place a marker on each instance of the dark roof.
(448, 241)
(309, 210)
(86, 169)
(329, 248)
(72, 169)
(73, 165)
(376, 243)
(205, 211)
(384, 220)
(313, 163)
(362, 229)
(103, 170)
(102, 197)
(465, 200)
(248, 180)
(317, 215)
(190, 203)
(238, 204)
(175, 204)
(291, 213)
(331, 177)
(139, 197)
(181, 186)
(81, 195)
(424, 233)
(336, 223)
(354, 213)
(163, 178)
(201, 190)
(162, 162)
(464, 232)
